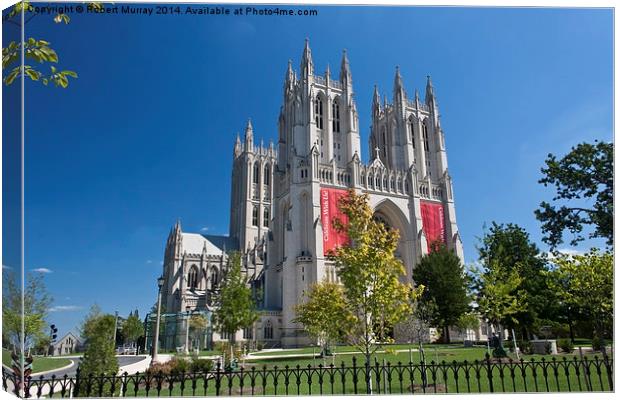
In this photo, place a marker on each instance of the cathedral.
(284, 197)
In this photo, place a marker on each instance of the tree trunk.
(446, 331)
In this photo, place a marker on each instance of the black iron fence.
(489, 375)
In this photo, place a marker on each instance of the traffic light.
(53, 332)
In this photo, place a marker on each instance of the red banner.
(433, 223)
(329, 210)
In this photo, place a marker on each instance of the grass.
(469, 377)
(39, 364)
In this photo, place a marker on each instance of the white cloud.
(149, 261)
(65, 308)
(6, 267)
(568, 252)
(43, 270)
(204, 229)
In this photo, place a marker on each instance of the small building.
(66, 345)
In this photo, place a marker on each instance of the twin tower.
(283, 196)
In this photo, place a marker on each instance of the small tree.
(418, 324)
(132, 328)
(375, 298)
(466, 322)
(442, 274)
(498, 296)
(197, 324)
(323, 312)
(235, 307)
(99, 355)
(585, 283)
(36, 302)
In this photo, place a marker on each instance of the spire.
(430, 91)
(249, 136)
(289, 71)
(328, 72)
(237, 145)
(398, 80)
(177, 226)
(376, 100)
(306, 60)
(345, 70)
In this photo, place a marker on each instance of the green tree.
(36, 302)
(499, 298)
(467, 321)
(99, 355)
(235, 306)
(375, 298)
(585, 283)
(510, 247)
(322, 312)
(35, 50)
(197, 324)
(132, 328)
(582, 177)
(442, 274)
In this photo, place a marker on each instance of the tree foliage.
(235, 306)
(323, 312)
(499, 298)
(370, 274)
(99, 355)
(585, 175)
(197, 324)
(510, 248)
(35, 50)
(585, 283)
(441, 272)
(36, 304)
(132, 328)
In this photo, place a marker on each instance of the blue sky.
(145, 134)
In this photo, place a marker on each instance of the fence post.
(489, 372)
(608, 369)
(76, 387)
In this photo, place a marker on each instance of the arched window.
(412, 131)
(425, 135)
(192, 277)
(256, 172)
(335, 116)
(255, 216)
(268, 330)
(214, 280)
(266, 175)
(266, 217)
(318, 112)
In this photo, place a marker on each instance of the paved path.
(70, 370)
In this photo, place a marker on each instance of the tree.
(467, 321)
(235, 307)
(583, 176)
(585, 283)
(99, 355)
(321, 313)
(37, 50)
(441, 272)
(370, 274)
(509, 247)
(499, 297)
(419, 322)
(198, 324)
(36, 302)
(132, 328)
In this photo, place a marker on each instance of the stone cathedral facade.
(284, 195)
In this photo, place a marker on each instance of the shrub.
(201, 365)
(566, 345)
(525, 346)
(596, 343)
(180, 366)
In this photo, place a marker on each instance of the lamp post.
(160, 283)
(115, 327)
(187, 330)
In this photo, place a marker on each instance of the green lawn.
(39, 364)
(446, 377)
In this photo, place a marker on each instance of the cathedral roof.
(193, 243)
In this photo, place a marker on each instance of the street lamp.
(187, 330)
(160, 284)
(115, 327)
